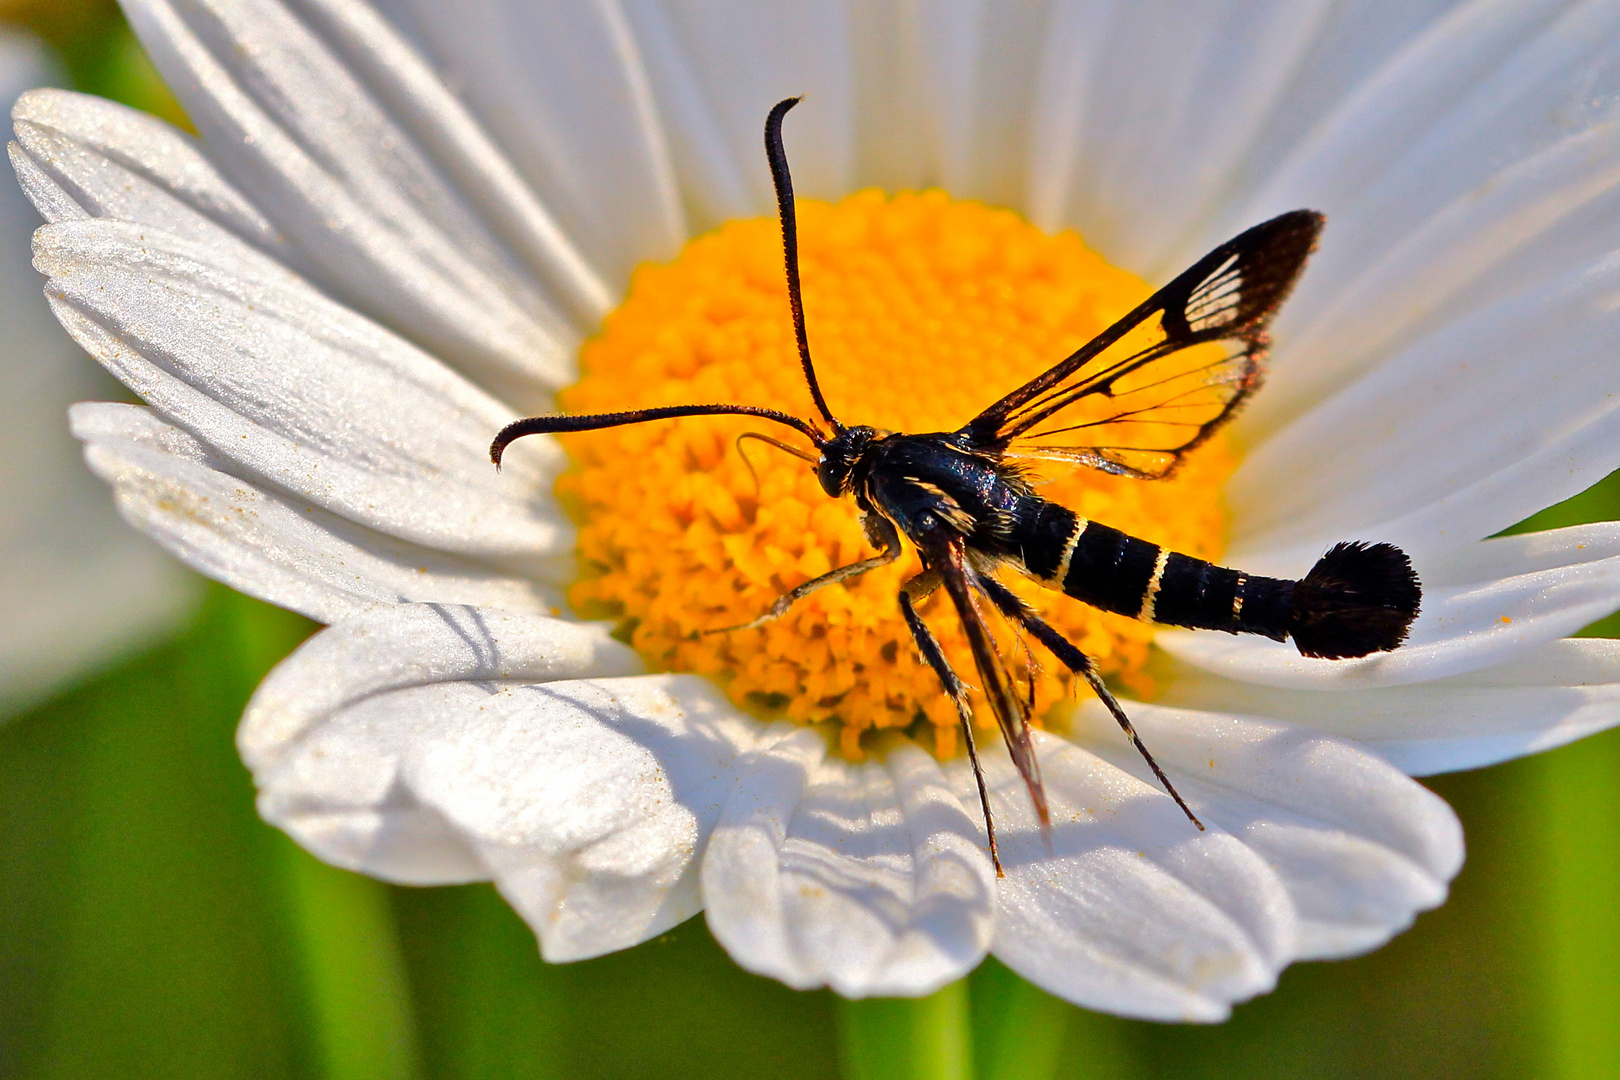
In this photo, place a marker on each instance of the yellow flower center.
(921, 312)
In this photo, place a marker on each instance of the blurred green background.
(152, 926)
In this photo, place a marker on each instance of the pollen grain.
(921, 311)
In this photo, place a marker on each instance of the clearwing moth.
(1132, 402)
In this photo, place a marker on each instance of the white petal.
(1483, 604)
(80, 156)
(589, 800)
(1461, 184)
(376, 197)
(1490, 84)
(1067, 99)
(431, 743)
(716, 184)
(1561, 692)
(1391, 103)
(1112, 83)
(898, 114)
(1132, 910)
(276, 547)
(1354, 45)
(300, 392)
(416, 645)
(563, 89)
(76, 585)
(1504, 557)
(745, 57)
(866, 878)
(974, 78)
(1360, 847)
(434, 114)
(1565, 466)
(1527, 225)
(742, 868)
(343, 804)
(1492, 393)
(1150, 127)
(1532, 199)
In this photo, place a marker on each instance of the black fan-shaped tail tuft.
(1359, 598)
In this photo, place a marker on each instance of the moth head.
(839, 456)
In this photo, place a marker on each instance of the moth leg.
(1079, 663)
(920, 588)
(881, 534)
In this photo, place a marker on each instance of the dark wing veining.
(1137, 397)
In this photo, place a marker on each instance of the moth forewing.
(1161, 380)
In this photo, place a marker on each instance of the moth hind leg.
(920, 588)
(1078, 662)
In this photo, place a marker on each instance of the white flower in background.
(333, 301)
(77, 586)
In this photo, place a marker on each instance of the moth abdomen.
(1358, 599)
(1117, 572)
(1111, 570)
(1198, 594)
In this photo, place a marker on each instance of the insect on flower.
(1134, 401)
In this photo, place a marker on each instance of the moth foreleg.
(878, 530)
(920, 588)
(1079, 663)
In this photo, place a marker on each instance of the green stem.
(486, 1004)
(1020, 1028)
(1581, 830)
(353, 974)
(165, 959)
(908, 1038)
(1580, 834)
(351, 971)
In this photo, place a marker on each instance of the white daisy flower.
(394, 236)
(77, 586)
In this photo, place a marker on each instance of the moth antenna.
(783, 181)
(553, 425)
